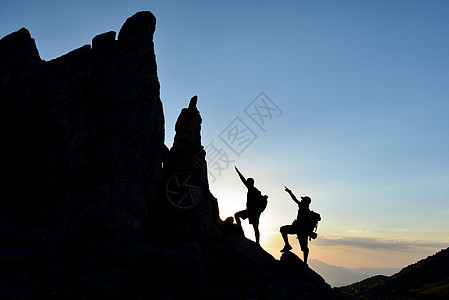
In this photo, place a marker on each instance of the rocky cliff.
(84, 137)
(96, 205)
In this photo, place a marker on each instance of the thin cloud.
(360, 230)
(375, 243)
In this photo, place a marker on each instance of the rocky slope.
(96, 205)
(426, 279)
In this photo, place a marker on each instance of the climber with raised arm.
(253, 209)
(303, 226)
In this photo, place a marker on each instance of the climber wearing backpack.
(255, 204)
(303, 226)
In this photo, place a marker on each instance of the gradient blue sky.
(362, 89)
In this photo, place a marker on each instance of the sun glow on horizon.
(357, 248)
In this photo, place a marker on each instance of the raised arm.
(291, 195)
(242, 178)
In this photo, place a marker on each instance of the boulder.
(293, 267)
(242, 253)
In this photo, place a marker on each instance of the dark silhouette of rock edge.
(88, 171)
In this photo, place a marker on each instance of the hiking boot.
(286, 248)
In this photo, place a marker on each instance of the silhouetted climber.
(303, 226)
(253, 206)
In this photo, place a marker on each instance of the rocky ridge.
(97, 205)
(425, 279)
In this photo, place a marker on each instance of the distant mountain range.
(426, 279)
(340, 276)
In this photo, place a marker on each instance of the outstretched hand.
(287, 189)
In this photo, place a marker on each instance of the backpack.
(257, 201)
(312, 224)
(262, 202)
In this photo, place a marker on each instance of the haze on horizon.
(362, 97)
